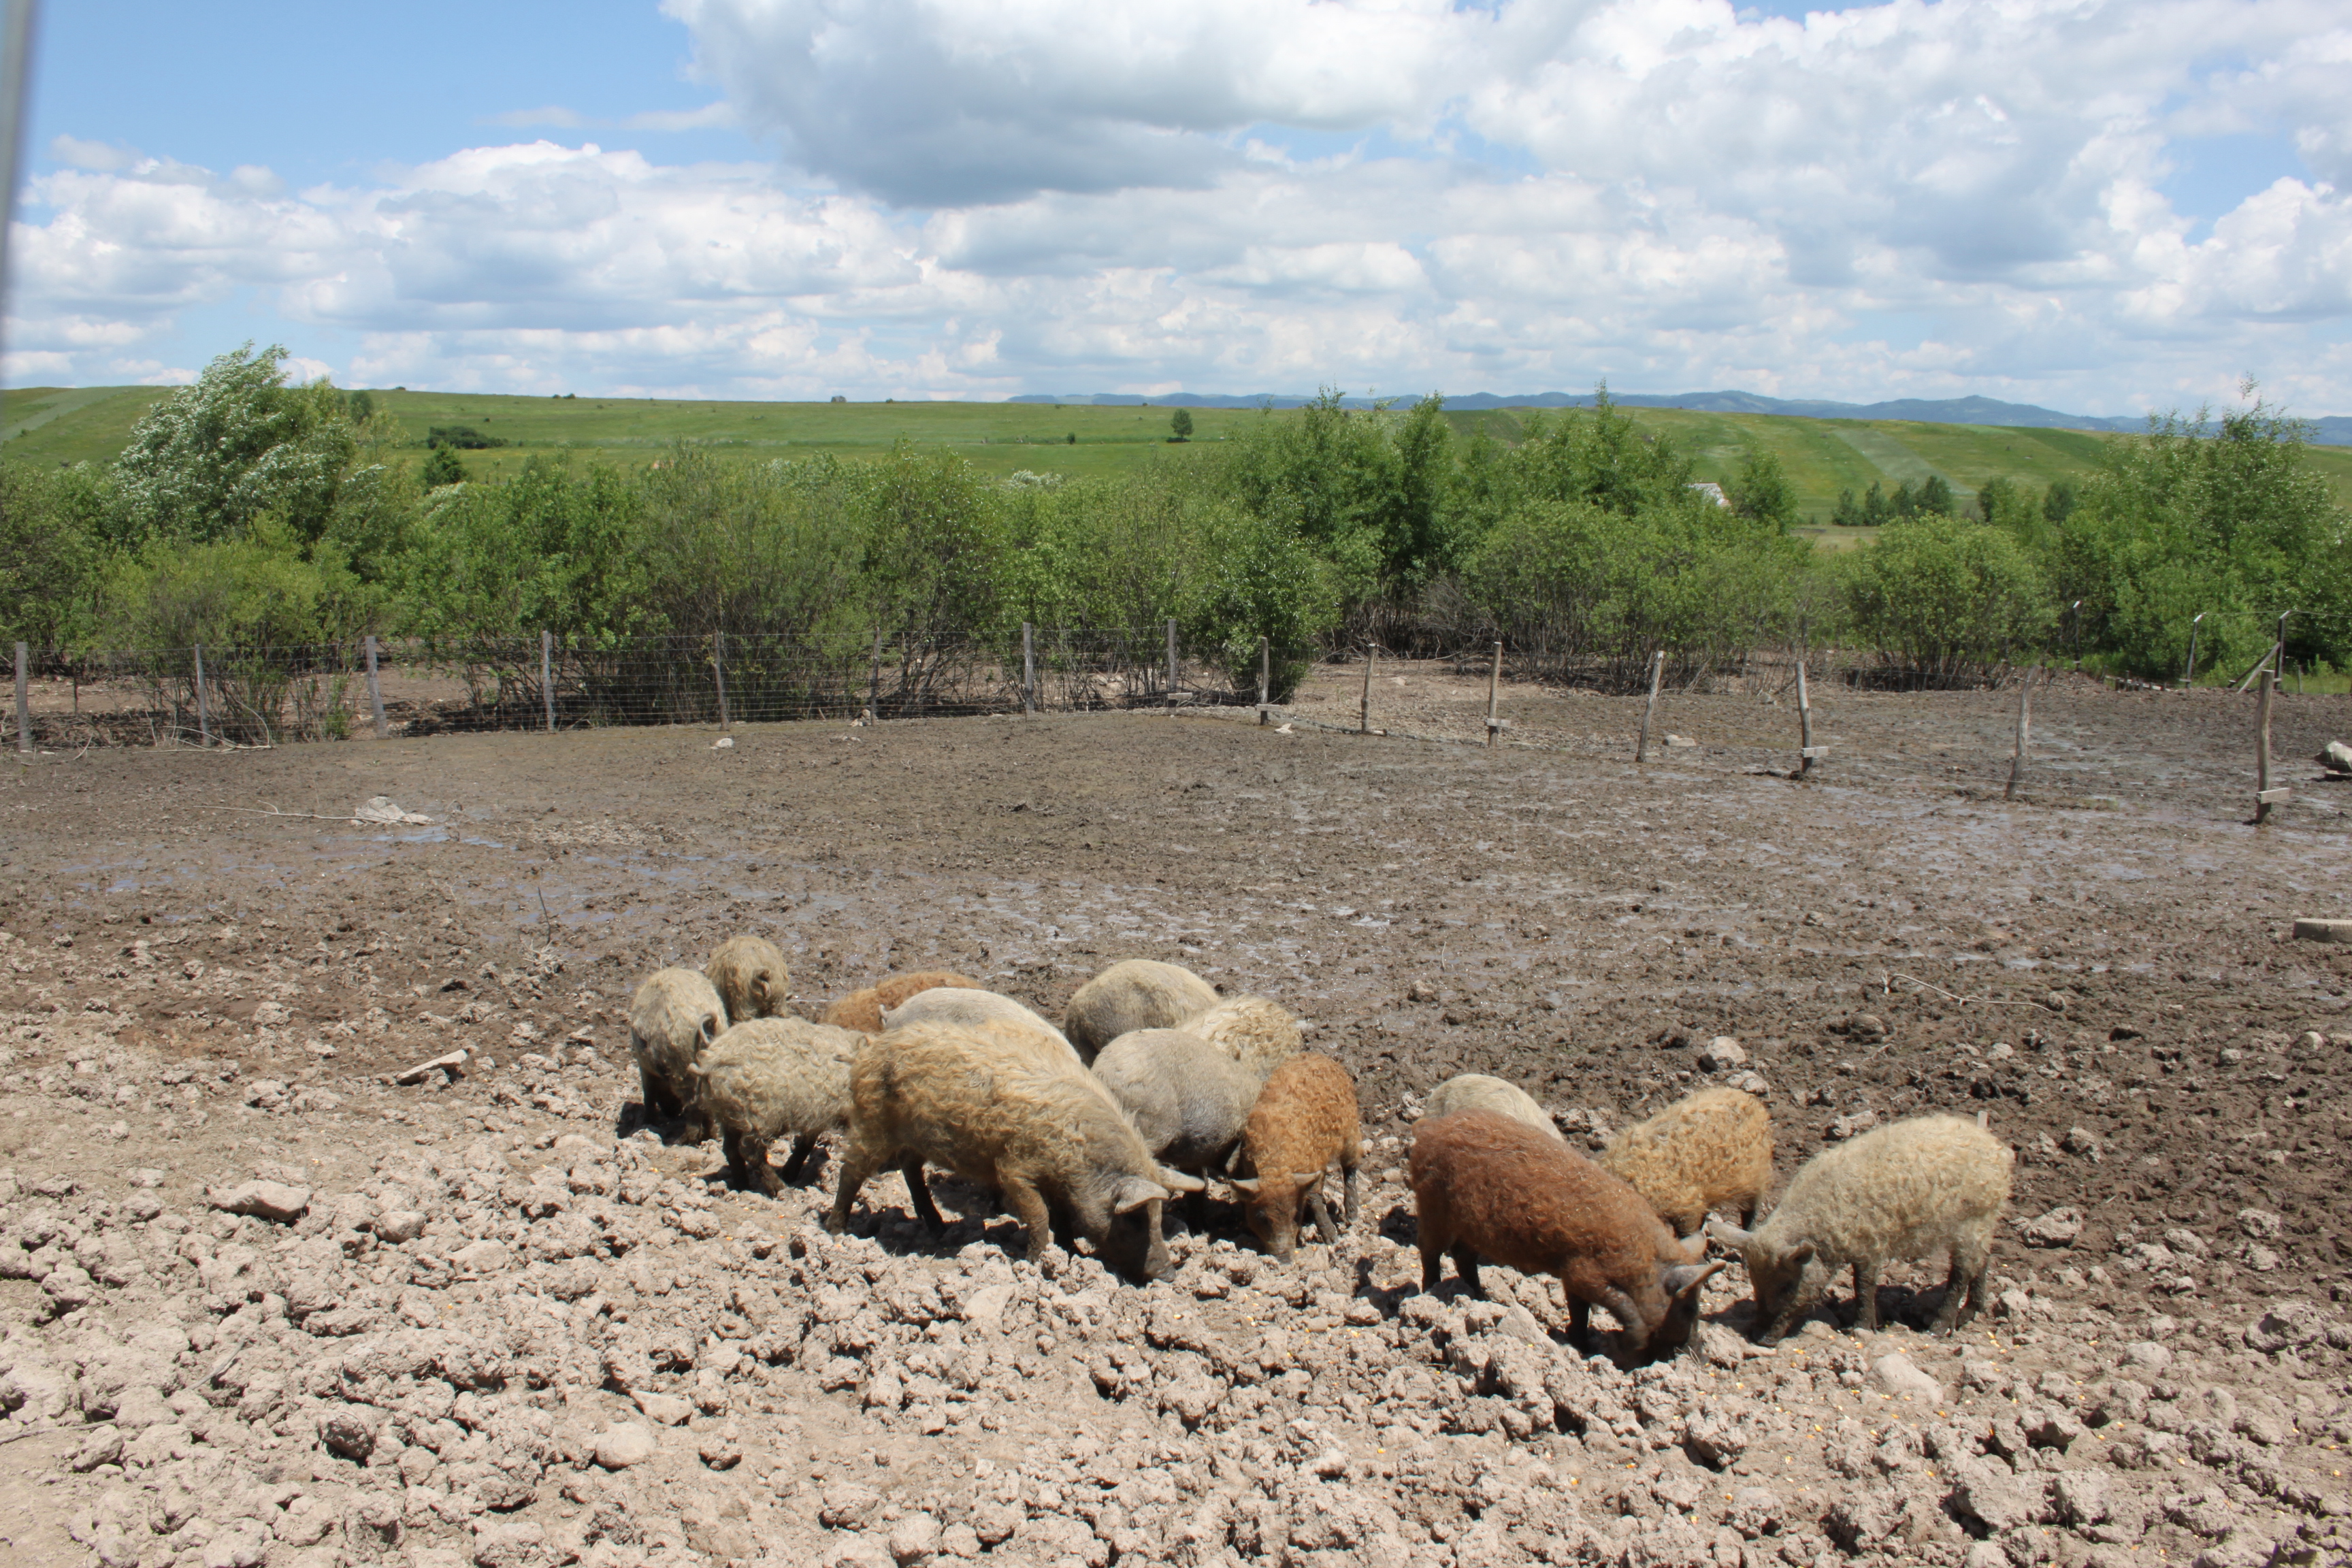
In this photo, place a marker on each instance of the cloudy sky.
(2103, 205)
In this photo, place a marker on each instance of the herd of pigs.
(1155, 1087)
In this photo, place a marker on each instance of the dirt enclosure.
(263, 1307)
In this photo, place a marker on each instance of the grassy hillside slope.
(1821, 456)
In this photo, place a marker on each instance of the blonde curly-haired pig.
(1911, 1189)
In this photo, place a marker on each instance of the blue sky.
(2092, 205)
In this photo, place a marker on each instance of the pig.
(673, 1018)
(749, 974)
(1304, 1118)
(1484, 1182)
(1915, 1188)
(768, 1077)
(862, 1010)
(1137, 994)
(1005, 1107)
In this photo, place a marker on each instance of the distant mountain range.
(2333, 431)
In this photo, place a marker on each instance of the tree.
(2059, 502)
(1935, 497)
(1876, 513)
(210, 459)
(2226, 518)
(443, 467)
(1760, 490)
(1849, 511)
(1180, 422)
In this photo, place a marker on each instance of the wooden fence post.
(874, 683)
(2189, 680)
(24, 709)
(1265, 679)
(2264, 796)
(547, 677)
(1171, 664)
(1657, 672)
(203, 713)
(1804, 724)
(1494, 695)
(1028, 668)
(2024, 725)
(718, 673)
(375, 690)
(1364, 712)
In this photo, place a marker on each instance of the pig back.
(1488, 1182)
(977, 1098)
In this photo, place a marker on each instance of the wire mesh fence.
(270, 695)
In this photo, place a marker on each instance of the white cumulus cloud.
(972, 197)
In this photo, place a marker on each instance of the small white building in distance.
(1713, 492)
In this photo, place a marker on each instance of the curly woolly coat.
(1703, 1152)
(1486, 1185)
(862, 1010)
(1911, 1189)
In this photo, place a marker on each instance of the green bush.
(54, 553)
(2224, 518)
(1947, 601)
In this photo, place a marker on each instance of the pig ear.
(1306, 1179)
(1799, 1255)
(710, 1027)
(1133, 1193)
(1246, 1185)
(1694, 1246)
(1177, 1181)
(1730, 1235)
(1684, 1278)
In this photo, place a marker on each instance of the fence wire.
(271, 696)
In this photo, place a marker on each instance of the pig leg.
(1355, 1195)
(1028, 1205)
(747, 1160)
(1580, 1324)
(1432, 1258)
(1322, 1213)
(1465, 1263)
(1866, 1298)
(797, 1166)
(858, 1164)
(1971, 1259)
(919, 1192)
(660, 1105)
(1196, 1204)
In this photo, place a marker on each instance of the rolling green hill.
(1819, 455)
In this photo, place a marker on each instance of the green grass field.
(1821, 456)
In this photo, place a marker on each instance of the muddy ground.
(582, 1352)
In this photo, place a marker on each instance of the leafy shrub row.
(248, 511)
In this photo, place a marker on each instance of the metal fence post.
(1028, 668)
(874, 682)
(1364, 708)
(718, 673)
(24, 709)
(204, 714)
(375, 691)
(547, 677)
(1171, 664)
(1264, 678)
